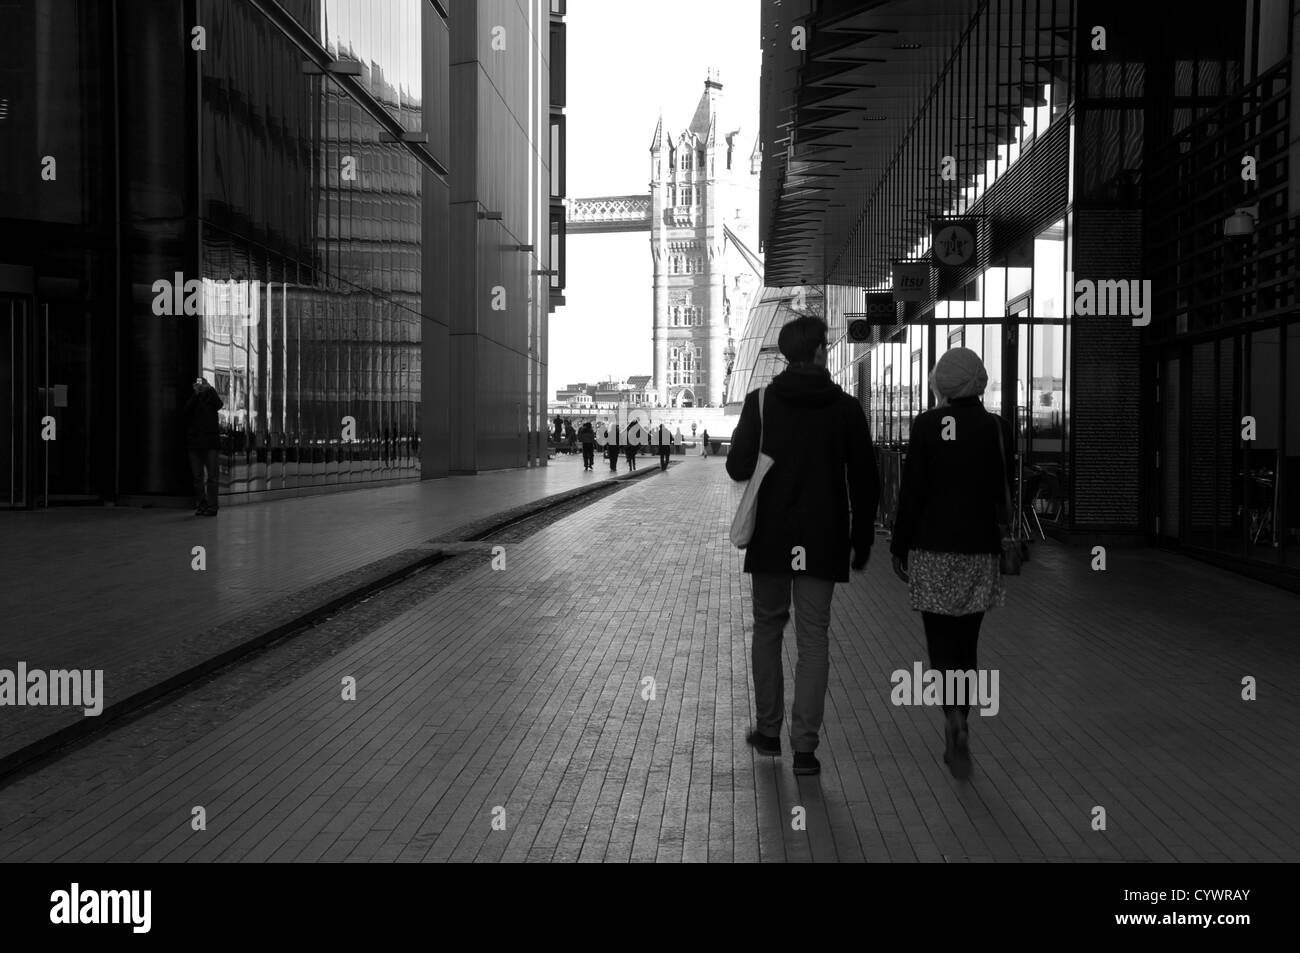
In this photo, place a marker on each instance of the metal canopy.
(851, 96)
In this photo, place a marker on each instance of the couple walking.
(816, 519)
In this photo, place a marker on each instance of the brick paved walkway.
(522, 690)
(115, 589)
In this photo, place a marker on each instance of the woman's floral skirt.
(954, 583)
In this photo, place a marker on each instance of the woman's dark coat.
(951, 488)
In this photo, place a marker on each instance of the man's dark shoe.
(764, 744)
(805, 762)
(210, 511)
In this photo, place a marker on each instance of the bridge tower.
(701, 185)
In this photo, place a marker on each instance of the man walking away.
(587, 436)
(665, 446)
(202, 443)
(612, 449)
(704, 451)
(816, 504)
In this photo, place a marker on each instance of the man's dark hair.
(800, 338)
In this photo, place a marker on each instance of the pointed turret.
(656, 152)
(707, 108)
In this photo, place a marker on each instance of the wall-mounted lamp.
(549, 272)
(493, 216)
(523, 247)
(1242, 221)
(334, 68)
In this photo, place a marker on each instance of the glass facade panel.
(322, 246)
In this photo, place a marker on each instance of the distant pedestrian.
(815, 518)
(704, 449)
(665, 446)
(202, 444)
(611, 449)
(632, 440)
(947, 540)
(587, 437)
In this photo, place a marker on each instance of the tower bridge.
(701, 204)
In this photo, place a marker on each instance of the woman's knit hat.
(959, 373)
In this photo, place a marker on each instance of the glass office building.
(1094, 150)
(259, 194)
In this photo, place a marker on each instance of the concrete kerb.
(296, 613)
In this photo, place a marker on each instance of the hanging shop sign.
(881, 308)
(911, 280)
(953, 241)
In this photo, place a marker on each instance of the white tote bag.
(742, 525)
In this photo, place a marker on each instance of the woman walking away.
(946, 537)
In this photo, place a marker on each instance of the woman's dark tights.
(951, 640)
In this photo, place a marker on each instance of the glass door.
(1169, 450)
(1015, 391)
(1216, 477)
(1015, 382)
(15, 420)
(1262, 449)
(1015, 366)
(1287, 513)
(65, 466)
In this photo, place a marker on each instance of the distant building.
(573, 392)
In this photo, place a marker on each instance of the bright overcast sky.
(626, 61)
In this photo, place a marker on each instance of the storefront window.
(1289, 489)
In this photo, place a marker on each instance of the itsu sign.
(954, 241)
(911, 280)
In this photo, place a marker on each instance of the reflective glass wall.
(311, 247)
